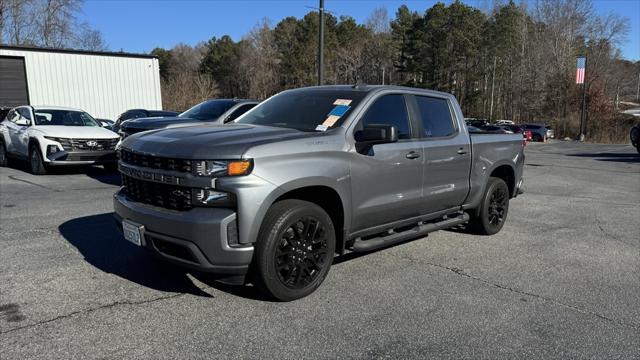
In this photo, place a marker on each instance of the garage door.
(13, 82)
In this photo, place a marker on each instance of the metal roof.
(74, 51)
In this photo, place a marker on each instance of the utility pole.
(321, 45)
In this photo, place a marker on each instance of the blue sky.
(140, 25)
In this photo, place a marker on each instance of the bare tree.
(185, 86)
(89, 39)
(20, 23)
(378, 21)
(48, 23)
(258, 66)
(57, 21)
(184, 90)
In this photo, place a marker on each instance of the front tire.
(635, 137)
(4, 159)
(294, 250)
(36, 165)
(493, 208)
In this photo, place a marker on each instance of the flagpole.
(583, 121)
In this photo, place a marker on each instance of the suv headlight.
(65, 142)
(222, 167)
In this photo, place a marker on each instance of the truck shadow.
(98, 240)
(104, 176)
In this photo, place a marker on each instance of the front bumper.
(82, 157)
(197, 239)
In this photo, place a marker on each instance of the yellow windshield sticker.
(331, 119)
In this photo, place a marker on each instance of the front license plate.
(132, 232)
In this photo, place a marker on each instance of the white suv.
(51, 136)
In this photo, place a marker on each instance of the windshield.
(64, 118)
(305, 110)
(208, 110)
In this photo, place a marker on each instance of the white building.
(104, 84)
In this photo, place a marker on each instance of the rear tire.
(635, 137)
(36, 165)
(4, 159)
(537, 138)
(493, 208)
(294, 250)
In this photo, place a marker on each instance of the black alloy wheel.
(497, 206)
(493, 210)
(301, 253)
(294, 251)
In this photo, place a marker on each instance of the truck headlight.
(222, 167)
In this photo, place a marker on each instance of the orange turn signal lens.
(235, 168)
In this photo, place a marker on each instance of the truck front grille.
(162, 195)
(155, 162)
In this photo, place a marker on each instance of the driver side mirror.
(377, 134)
(23, 121)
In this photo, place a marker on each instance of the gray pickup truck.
(310, 173)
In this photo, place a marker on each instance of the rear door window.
(389, 110)
(435, 115)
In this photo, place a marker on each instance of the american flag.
(582, 62)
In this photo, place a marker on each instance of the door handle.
(412, 155)
(461, 151)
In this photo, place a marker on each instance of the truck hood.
(153, 123)
(76, 132)
(208, 141)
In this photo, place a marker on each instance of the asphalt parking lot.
(562, 280)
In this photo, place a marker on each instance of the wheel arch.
(507, 173)
(329, 199)
(33, 141)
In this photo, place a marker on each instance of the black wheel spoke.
(497, 206)
(284, 253)
(301, 254)
(316, 228)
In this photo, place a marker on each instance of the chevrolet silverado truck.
(310, 173)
